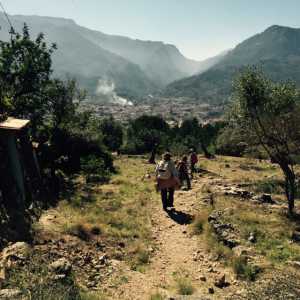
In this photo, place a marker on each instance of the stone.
(264, 198)
(296, 236)
(103, 259)
(252, 238)
(202, 278)
(19, 250)
(267, 198)
(11, 294)
(211, 290)
(295, 264)
(61, 267)
(220, 281)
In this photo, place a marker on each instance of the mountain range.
(134, 67)
(276, 51)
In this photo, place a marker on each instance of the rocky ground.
(185, 261)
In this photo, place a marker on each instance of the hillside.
(217, 243)
(136, 67)
(276, 51)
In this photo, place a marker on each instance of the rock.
(211, 290)
(295, 264)
(103, 259)
(19, 250)
(264, 198)
(252, 238)
(267, 198)
(11, 294)
(61, 267)
(220, 281)
(296, 236)
(202, 278)
(224, 231)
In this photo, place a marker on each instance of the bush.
(243, 270)
(184, 286)
(94, 168)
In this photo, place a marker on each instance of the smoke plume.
(106, 89)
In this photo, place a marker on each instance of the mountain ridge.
(276, 51)
(135, 66)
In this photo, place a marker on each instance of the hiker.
(193, 161)
(167, 180)
(182, 168)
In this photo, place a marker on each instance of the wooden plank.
(13, 124)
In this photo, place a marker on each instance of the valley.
(174, 111)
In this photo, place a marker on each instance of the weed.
(184, 285)
(270, 186)
(157, 296)
(243, 270)
(199, 223)
(80, 230)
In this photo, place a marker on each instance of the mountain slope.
(78, 57)
(136, 67)
(276, 51)
(163, 63)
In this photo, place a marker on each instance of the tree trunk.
(290, 187)
(152, 156)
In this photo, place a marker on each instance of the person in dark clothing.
(193, 161)
(183, 173)
(167, 180)
(167, 197)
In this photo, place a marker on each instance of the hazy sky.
(199, 28)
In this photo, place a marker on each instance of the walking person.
(167, 180)
(193, 161)
(183, 173)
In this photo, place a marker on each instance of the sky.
(199, 28)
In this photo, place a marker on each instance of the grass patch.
(269, 186)
(184, 285)
(35, 279)
(119, 210)
(200, 221)
(157, 296)
(243, 270)
(82, 231)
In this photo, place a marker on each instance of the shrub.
(95, 169)
(184, 286)
(243, 270)
(199, 223)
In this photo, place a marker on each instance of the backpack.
(163, 171)
(194, 158)
(181, 167)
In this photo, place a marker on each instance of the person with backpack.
(193, 161)
(182, 168)
(167, 180)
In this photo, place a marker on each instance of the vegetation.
(267, 115)
(149, 133)
(184, 284)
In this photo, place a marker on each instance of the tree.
(267, 114)
(25, 70)
(147, 133)
(112, 133)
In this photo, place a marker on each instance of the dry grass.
(270, 226)
(184, 285)
(119, 212)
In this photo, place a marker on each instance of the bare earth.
(177, 250)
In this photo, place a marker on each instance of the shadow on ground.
(180, 217)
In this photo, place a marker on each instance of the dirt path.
(177, 252)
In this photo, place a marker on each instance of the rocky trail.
(181, 264)
(178, 253)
